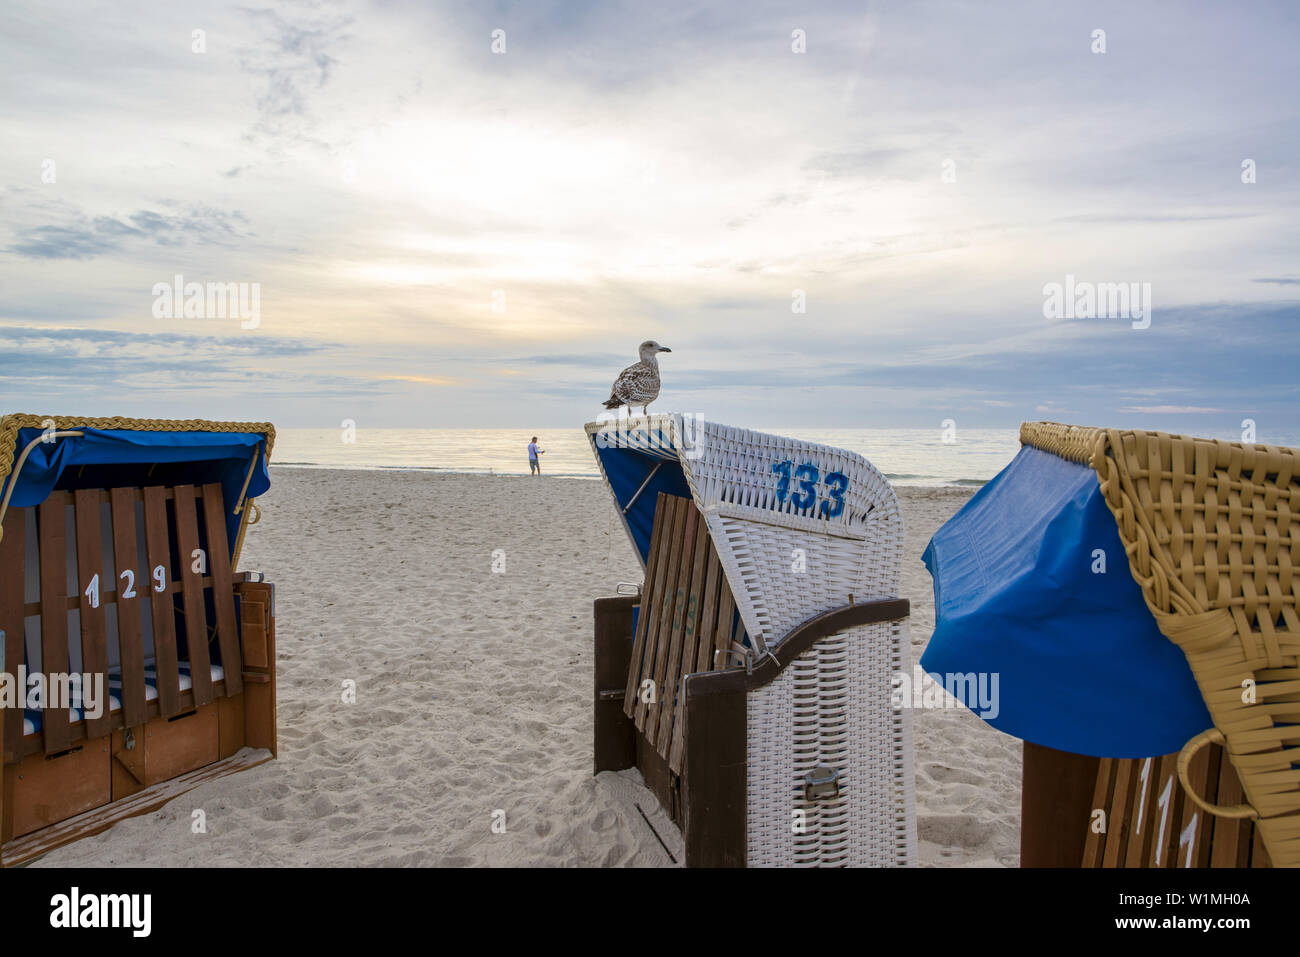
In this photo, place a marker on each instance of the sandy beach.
(473, 690)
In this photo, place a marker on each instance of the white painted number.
(159, 578)
(1188, 838)
(1142, 804)
(129, 590)
(92, 591)
(1164, 803)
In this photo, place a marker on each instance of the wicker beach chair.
(750, 678)
(1141, 588)
(118, 544)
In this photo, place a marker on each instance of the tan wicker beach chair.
(119, 542)
(1212, 531)
(753, 692)
(1212, 537)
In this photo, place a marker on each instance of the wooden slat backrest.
(1117, 825)
(13, 580)
(52, 525)
(709, 576)
(191, 575)
(715, 583)
(722, 636)
(158, 549)
(1196, 828)
(1232, 839)
(1138, 851)
(681, 652)
(662, 602)
(681, 659)
(671, 630)
(1095, 844)
(223, 588)
(651, 595)
(130, 627)
(687, 613)
(91, 586)
(167, 572)
(1150, 822)
(1165, 811)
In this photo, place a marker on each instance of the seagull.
(638, 384)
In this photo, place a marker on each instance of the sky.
(860, 234)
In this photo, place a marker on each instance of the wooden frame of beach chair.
(135, 584)
(1212, 533)
(751, 690)
(1132, 812)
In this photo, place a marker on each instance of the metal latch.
(727, 654)
(628, 590)
(821, 783)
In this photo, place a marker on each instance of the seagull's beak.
(664, 349)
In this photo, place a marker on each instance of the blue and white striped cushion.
(32, 716)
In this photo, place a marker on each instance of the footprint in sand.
(942, 774)
(953, 830)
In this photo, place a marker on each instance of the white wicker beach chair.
(787, 750)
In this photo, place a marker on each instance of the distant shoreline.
(902, 481)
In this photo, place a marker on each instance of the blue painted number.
(807, 494)
(836, 484)
(783, 483)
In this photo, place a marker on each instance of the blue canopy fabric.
(113, 457)
(1082, 665)
(627, 464)
(628, 460)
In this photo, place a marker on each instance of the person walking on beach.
(534, 466)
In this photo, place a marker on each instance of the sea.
(906, 456)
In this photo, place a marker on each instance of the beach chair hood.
(39, 454)
(800, 528)
(1031, 583)
(1209, 532)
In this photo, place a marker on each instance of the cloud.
(421, 379)
(294, 61)
(671, 172)
(61, 242)
(1168, 409)
(870, 162)
(83, 237)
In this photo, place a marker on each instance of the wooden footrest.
(23, 849)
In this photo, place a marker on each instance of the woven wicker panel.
(857, 552)
(758, 549)
(830, 708)
(1212, 531)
